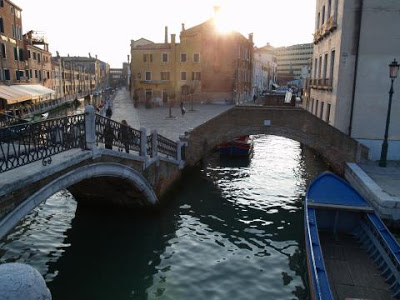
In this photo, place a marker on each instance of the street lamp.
(394, 70)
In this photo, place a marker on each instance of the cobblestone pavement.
(157, 118)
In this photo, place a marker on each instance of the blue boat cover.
(329, 188)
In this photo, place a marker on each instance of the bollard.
(90, 127)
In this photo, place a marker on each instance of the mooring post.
(143, 142)
(90, 127)
(154, 150)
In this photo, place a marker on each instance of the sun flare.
(224, 18)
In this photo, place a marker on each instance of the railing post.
(90, 127)
(143, 142)
(154, 150)
(179, 145)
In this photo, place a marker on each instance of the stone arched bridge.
(40, 159)
(298, 124)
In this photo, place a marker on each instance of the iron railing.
(26, 143)
(166, 146)
(149, 145)
(112, 133)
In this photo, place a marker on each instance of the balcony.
(325, 29)
(320, 84)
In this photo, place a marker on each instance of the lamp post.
(394, 69)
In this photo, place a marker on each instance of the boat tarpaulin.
(19, 93)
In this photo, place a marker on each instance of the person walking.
(254, 98)
(183, 110)
(108, 112)
(124, 128)
(108, 135)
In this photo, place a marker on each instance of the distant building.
(354, 42)
(264, 70)
(38, 60)
(206, 64)
(116, 78)
(291, 60)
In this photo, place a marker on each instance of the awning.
(18, 93)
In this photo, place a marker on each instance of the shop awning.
(19, 93)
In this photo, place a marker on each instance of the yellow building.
(205, 65)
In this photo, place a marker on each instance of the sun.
(224, 19)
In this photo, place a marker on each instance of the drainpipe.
(359, 16)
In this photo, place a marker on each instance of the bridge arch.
(297, 124)
(86, 172)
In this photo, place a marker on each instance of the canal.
(231, 231)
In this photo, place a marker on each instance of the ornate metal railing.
(112, 133)
(166, 146)
(8, 120)
(149, 145)
(26, 143)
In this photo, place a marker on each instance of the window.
(325, 65)
(48, 74)
(316, 108)
(183, 57)
(332, 65)
(40, 75)
(36, 75)
(318, 18)
(196, 75)
(21, 54)
(328, 112)
(148, 57)
(3, 51)
(164, 75)
(7, 74)
(29, 53)
(196, 57)
(148, 76)
(315, 67)
(320, 67)
(19, 74)
(13, 30)
(323, 15)
(322, 110)
(27, 74)
(1, 3)
(312, 105)
(15, 53)
(1, 25)
(328, 13)
(164, 57)
(30, 73)
(183, 75)
(38, 57)
(34, 55)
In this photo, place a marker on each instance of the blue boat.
(350, 252)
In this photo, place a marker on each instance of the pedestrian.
(108, 112)
(254, 98)
(108, 135)
(183, 110)
(124, 129)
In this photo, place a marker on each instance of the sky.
(105, 28)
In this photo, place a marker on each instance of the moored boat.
(350, 252)
(241, 146)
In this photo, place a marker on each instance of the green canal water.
(231, 231)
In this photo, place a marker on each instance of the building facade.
(264, 70)
(38, 68)
(205, 65)
(291, 60)
(354, 42)
(12, 63)
(116, 78)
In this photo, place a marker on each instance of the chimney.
(166, 35)
(183, 26)
(251, 37)
(173, 39)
